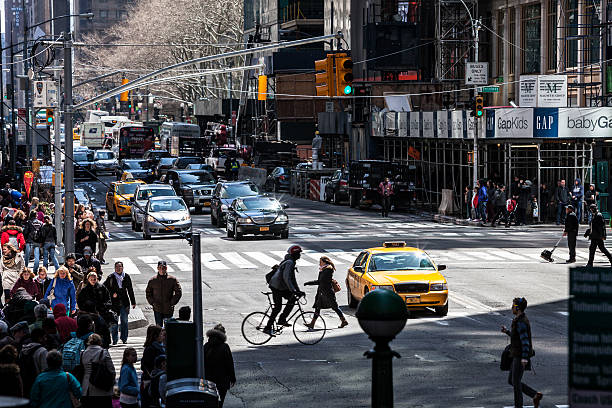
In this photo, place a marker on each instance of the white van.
(92, 135)
(95, 115)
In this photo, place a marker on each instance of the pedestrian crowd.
(494, 203)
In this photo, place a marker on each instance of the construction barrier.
(324, 180)
(315, 189)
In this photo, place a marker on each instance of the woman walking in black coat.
(218, 361)
(326, 297)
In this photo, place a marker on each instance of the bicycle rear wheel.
(253, 326)
(305, 334)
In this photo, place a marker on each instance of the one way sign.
(477, 73)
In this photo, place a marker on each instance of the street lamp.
(382, 315)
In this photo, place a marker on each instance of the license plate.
(170, 228)
(207, 204)
(413, 299)
(264, 229)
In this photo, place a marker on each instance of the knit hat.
(3, 327)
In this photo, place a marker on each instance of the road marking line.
(482, 255)
(317, 255)
(471, 303)
(237, 260)
(128, 265)
(303, 235)
(209, 261)
(124, 235)
(564, 313)
(263, 258)
(507, 254)
(347, 256)
(300, 262)
(181, 261)
(152, 261)
(453, 255)
(473, 234)
(211, 231)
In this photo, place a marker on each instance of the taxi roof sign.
(394, 244)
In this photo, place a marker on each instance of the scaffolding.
(454, 42)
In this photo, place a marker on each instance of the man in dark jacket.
(96, 293)
(562, 198)
(571, 232)
(218, 361)
(163, 293)
(48, 239)
(119, 285)
(499, 201)
(545, 200)
(75, 270)
(284, 286)
(521, 349)
(101, 231)
(88, 263)
(31, 233)
(597, 234)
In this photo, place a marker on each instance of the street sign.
(590, 337)
(329, 106)
(45, 94)
(477, 73)
(489, 89)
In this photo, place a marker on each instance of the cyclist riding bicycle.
(284, 286)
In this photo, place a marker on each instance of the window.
(103, 13)
(552, 35)
(531, 28)
(361, 259)
(571, 33)
(592, 50)
(512, 40)
(500, 42)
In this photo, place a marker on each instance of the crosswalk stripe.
(181, 261)
(582, 254)
(263, 258)
(454, 256)
(237, 260)
(128, 265)
(482, 255)
(300, 262)
(124, 235)
(152, 260)
(507, 255)
(209, 261)
(212, 231)
(342, 254)
(317, 255)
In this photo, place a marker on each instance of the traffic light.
(478, 106)
(344, 75)
(262, 88)
(49, 114)
(325, 80)
(123, 96)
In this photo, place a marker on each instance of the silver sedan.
(165, 215)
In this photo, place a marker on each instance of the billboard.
(442, 125)
(585, 122)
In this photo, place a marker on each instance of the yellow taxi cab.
(118, 197)
(407, 271)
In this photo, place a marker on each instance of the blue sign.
(546, 122)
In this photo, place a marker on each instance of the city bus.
(132, 141)
(181, 139)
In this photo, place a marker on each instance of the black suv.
(83, 162)
(195, 186)
(224, 196)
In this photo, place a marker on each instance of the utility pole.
(475, 31)
(68, 163)
(26, 67)
(231, 105)
(197, 303)
(57, 161)
(13, 139)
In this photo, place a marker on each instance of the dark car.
(336, 189)
(83, 163)
(279, 180)
(183, 162)
(200, 166)
(165, 164)
(153, 156)
(224, 195)
(139, 169)
(194, 186)
(257, 216)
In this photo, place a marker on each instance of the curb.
(447, 219)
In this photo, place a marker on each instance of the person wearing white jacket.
(10, 268)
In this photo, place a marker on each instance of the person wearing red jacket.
(13, 234)
(65, 325)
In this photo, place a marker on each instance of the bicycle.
(253, 325)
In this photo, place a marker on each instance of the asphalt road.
(446, 362)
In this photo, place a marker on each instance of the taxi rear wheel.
(352, 302)
(442, 311)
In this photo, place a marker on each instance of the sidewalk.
(448, 219)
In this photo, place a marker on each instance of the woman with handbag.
(61, 290)
(326, 291)
(99, 375)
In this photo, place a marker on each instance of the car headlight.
(223, 207)
(186, 217)
(282, 218)
(124, 202)
(384, 287)
(150, 219)
(245, 221)
(434, 287)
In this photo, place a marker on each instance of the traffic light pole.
(475, 26)
(68, 163)
(197, 303)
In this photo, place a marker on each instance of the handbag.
(506, 359)
(336, 286)
(76, 403)
(101, 377)
(51, 296)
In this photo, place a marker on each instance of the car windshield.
(167, 161)
(82, 156)
(136, 164)
(128, 188)
(184, 161)
(396, 261)
(167, 205)
(259, 203)
(239, 190)
(154, 192)
(203, 177)
(104, 155)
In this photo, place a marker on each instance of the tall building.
(106, 14)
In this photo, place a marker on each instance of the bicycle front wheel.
(253, 326)
(305, 334)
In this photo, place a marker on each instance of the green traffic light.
(49, 119)
(479, 113)
(348, 90)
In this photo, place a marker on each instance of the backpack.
(510, 205)
(152, 389)
(36, 235)
(71, 353)
(272, 272)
